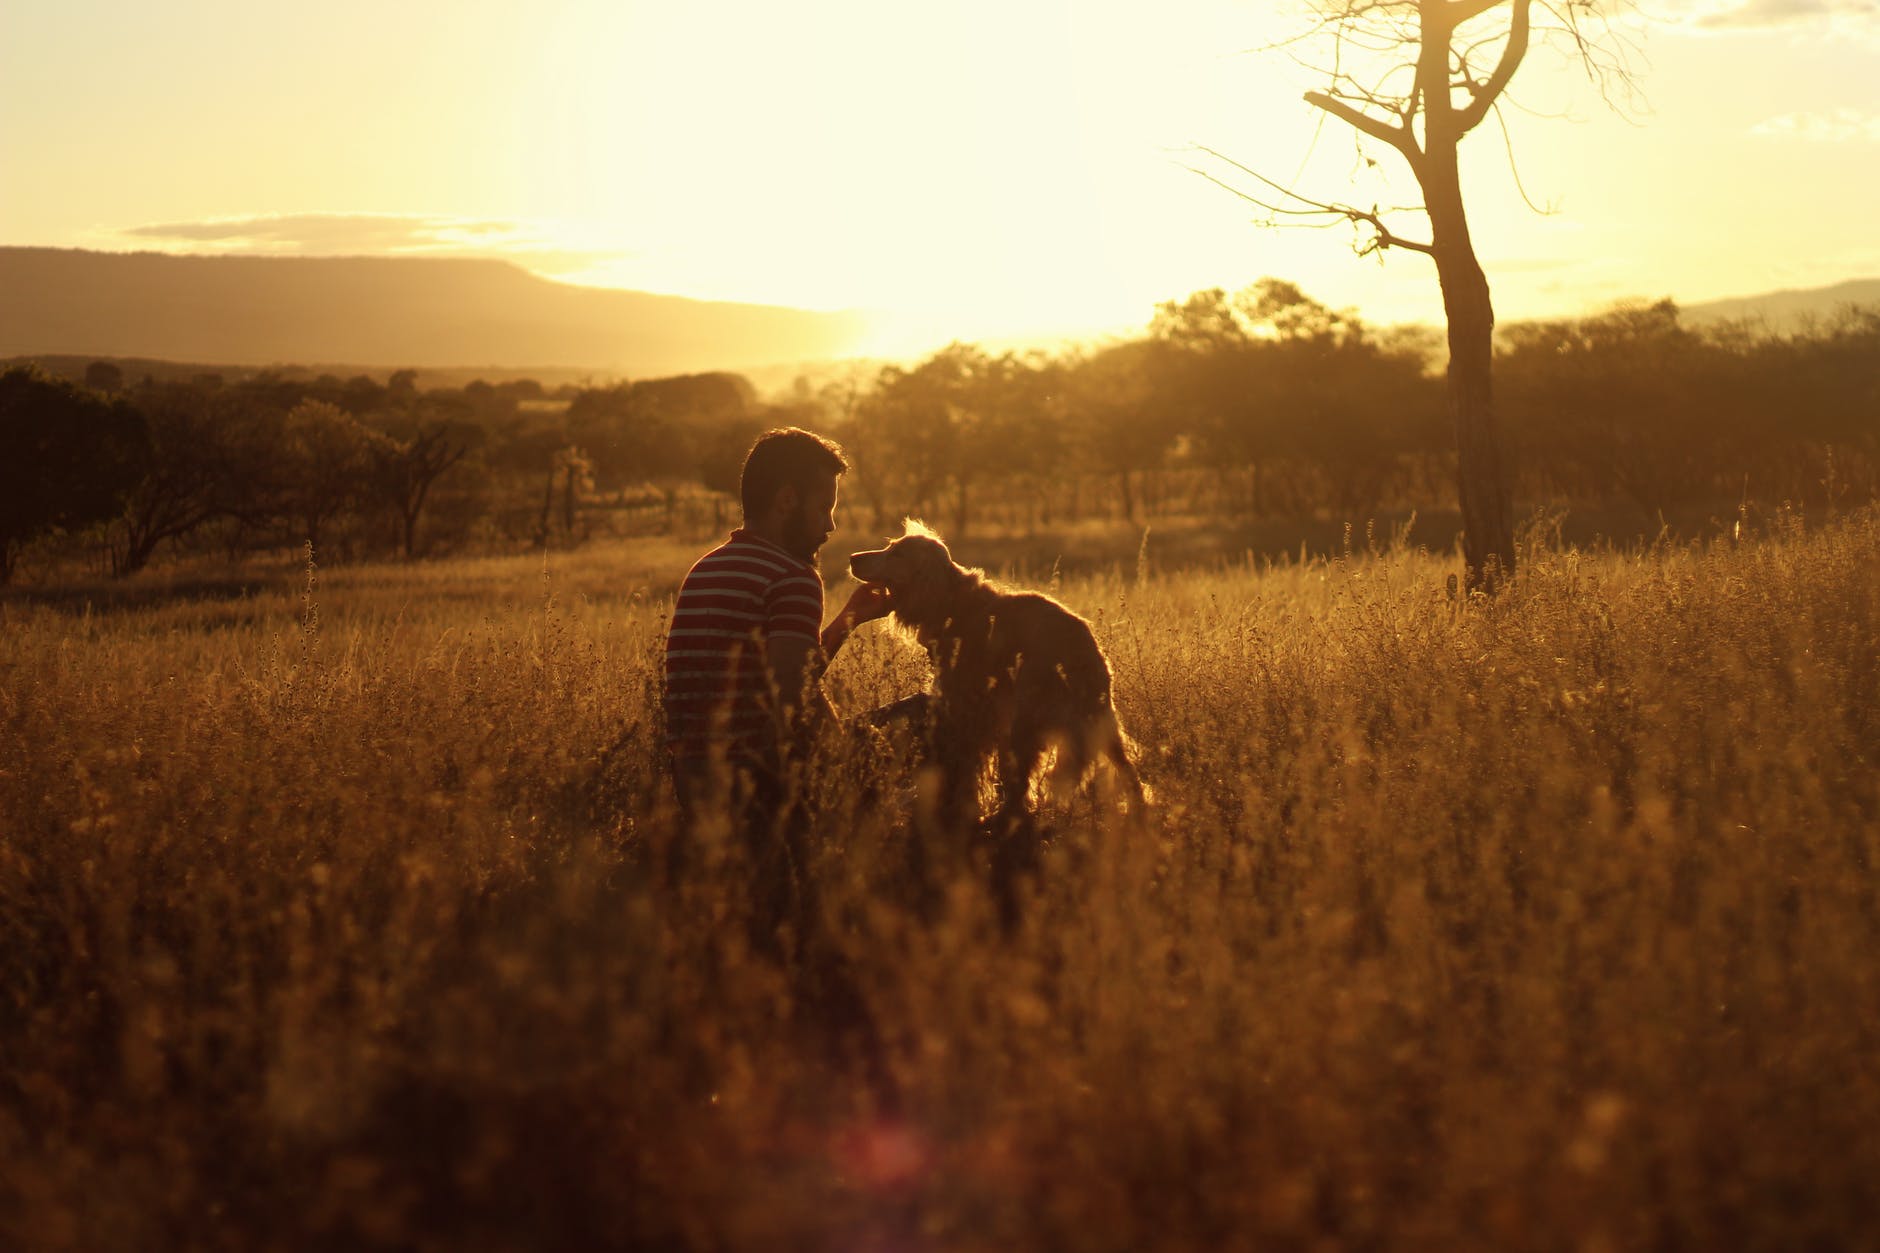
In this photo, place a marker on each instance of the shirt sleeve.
(793, 608)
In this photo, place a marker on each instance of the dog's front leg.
(958, 768)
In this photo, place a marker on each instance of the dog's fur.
(1016, 674)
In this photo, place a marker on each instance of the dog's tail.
(1119, 750)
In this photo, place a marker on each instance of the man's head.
(788, 489)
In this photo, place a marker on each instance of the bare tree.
(572, 472)
(407, 468)
(1418, 76)
(193, 475)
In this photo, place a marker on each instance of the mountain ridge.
(1786, 308)
(481, 315)
(444, 312)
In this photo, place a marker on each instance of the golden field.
(328, 919)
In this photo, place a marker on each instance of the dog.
(1016, 675)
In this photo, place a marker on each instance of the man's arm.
(797, 666)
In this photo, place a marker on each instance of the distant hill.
(384, 312)
(1786, 310)
(72, 367)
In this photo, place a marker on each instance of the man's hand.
(866, 603)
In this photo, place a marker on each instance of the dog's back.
(1041, 679)
(1049, 647)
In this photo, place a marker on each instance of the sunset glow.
(1011, 624)
(983, 170)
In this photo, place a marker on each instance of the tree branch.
(1483, 98)
(1399, 137)
(1383, 237)
(1459, 11)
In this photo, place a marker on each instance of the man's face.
(813, 521)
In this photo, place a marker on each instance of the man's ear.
(788, 497)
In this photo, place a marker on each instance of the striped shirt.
(737, 597)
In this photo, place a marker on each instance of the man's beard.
(803, 536)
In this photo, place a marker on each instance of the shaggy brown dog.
(1015, 675)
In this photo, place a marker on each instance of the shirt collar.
(749, 538)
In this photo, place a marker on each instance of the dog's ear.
(918, 537)
(925, 578)
(937, 559)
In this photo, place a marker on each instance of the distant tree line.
(1634, 405)
(1266, 403)
(1259, 403)
(356, 466)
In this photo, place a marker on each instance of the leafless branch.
(1449, 90)
(1272, 209)
(1294, 204)
(1514, 166)
(1510, 101)
(1608, 58)
(1398, 136)
(1470, 115)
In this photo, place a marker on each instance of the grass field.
(327, 919)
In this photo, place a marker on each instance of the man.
(745, 655)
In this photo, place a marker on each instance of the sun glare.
(985, 170)
(990, 169)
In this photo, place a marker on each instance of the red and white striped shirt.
(736, 598)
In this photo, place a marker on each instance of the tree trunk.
(1481, 478)
(414, 505)
(140, 544)
(1129, 496)
(548, 509)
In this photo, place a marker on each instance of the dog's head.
(917, 570)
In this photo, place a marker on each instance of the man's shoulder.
(743, 555)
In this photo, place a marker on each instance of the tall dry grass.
(328, 919)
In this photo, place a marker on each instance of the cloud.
(325, 232)
(1837, 126)
(543, 249)
(1810, 16)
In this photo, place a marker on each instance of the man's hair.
(786, 457)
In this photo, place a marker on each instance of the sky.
(984, 169)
